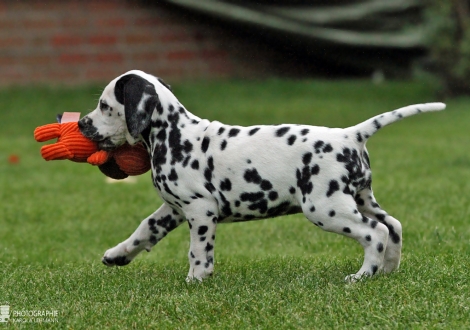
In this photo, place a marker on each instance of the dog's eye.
(104, 106)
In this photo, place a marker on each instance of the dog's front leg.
(149, 233)
(201, 252)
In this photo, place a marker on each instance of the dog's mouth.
(106, 145)
(90, 132)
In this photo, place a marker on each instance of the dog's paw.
(192, 279)
(117, 261)
(353, 278)
(116, 256)
(195, 276)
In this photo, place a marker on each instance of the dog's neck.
(163, 137)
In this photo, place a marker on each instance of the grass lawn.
(58, 218)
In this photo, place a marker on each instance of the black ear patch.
(120, 84)
(139, 98)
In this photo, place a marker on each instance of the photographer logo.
(4, 313)
(27, 316)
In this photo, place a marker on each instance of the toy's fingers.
(98, 158)
(55, 152)
(47, 132)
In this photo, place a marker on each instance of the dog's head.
(124, 110)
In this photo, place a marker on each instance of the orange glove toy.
(71, 144)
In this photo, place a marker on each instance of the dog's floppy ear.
(140, 99)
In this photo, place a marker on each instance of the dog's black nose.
(81, 125)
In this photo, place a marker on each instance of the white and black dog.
(209, 173)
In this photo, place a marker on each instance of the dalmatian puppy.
(208, 173)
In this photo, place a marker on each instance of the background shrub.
(448, 40)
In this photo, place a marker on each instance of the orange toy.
(71, 144)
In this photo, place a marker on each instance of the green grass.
(57, 219)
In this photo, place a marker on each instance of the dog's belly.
(257, 206)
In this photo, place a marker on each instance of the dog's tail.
(366, 129)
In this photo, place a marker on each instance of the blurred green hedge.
(448, 40)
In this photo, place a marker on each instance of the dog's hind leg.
(339, 214)
(149, 233)
(369, 207)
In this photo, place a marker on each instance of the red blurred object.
(13, 159)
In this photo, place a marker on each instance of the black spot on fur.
(375, 268)
(318, 145)
(252, 176)
(280, 209)
(223, 145)
(359, 137)
(205, 144)
(226, 210)
(282, 131)
(304, 131)
(210, 163)
(173, 176)
(221, 130)
(159, 157)
(187, 146)
(195, 164)
(186, 161)
(359, 200)
(261, 206)
(266, 185)
(273, 195)
(161, 135)
(380, 247)
(347, 230)
(391, 231)
(209, 186)
(368, 238)
(315, 169)
(251, 197)
(174, 139)
(307, 158)
(233, 132)
(208, 174)
(166, 222)
(202, 230)
(332, 213)
(291, 140)
(226, 185)
(380, 217)
(303, 180)
(333, 187)
(377, 125)
(327, 148)
(253, 131)
(209, 247)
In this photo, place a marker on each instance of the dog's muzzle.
(85, 125)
